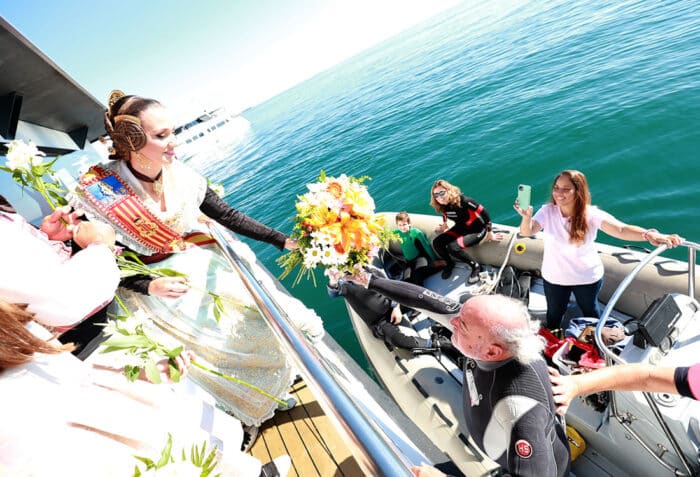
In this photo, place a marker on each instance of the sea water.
(489, 95)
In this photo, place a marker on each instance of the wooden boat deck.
(307, 435)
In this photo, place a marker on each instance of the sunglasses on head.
(439, 194)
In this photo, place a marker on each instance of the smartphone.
(524, 196)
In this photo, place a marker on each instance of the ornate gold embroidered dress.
(241, 344)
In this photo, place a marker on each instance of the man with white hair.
(507, 397)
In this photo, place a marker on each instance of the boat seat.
(393, 261)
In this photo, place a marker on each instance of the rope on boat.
(489, 288)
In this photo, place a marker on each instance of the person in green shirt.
(417, 251)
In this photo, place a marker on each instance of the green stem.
(240, 306)
(122, 305)
(39, 186)
(239, 381)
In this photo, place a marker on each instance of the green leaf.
(149, 463)
(174, 353)
(152, 373)
(217, 313)
(132, 372)
(209, 463)
(169, 272)
(121, 342)
(174, 371)
(165, 453)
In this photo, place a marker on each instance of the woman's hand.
(441, 228)
(183, 363)
(59, 224)
(291, 244)
(86, 233)
(657, 238)
(494, 237)
(525, 213)
(168, 287)
(564, 390)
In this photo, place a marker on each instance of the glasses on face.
(563, 190)
(439, 193)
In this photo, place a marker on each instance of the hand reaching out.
(291, 244)
(564, 390)
(59, 224)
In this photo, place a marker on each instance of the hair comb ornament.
(114, 96)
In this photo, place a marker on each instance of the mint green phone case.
(524, 196)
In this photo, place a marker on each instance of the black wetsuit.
(415, 296)
(512, 417)
(471, 224)
(375, 310)
(510, 414)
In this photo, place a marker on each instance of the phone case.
(524, 196)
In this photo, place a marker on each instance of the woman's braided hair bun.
(124, 129)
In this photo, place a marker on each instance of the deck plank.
(306, 434)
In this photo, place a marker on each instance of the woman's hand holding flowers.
(183, 363)
(168, 287)
(59, 224)
(291, 244)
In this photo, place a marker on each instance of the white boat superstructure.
(216, 129)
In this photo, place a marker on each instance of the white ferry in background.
(216, 129)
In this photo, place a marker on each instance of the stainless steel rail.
(378, 455)
(611, 357)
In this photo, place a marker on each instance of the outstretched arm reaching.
(436, 306)
(628, 377)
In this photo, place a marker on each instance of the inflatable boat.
(624, 433)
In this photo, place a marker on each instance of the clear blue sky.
(193, 55)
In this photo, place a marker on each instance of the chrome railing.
(611, 357)
(375, 452)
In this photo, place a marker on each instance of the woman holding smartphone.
(570, 262)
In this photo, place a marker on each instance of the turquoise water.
(488, 99)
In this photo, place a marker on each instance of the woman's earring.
(143, 162)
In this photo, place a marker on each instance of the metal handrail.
(611, 357)
(692, 247)
(378, 455)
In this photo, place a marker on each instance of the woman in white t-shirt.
(570, 262)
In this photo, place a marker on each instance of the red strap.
(475, 214)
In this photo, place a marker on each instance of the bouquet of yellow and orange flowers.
(335, 227)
